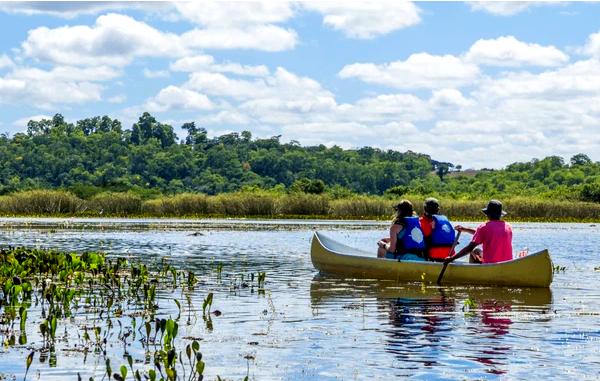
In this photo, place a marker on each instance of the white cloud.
(66, 9)
(172, 97)
(238, 25)
(281, 85)
(206, 63)
(353, 134)
(579, 78)
(114, 40)
(72, 9)
(510, 52)
(449, 98)
(193, 63)
(502, 8)
(220, 85)
(421, 70)
(118, 39)
(5, 62)
(226, 117)
(236, 68)
(592, 46)
(362, 19)
(61, 85)
(386, 107)
(66, 74)
(22, 123)
(238, 14)
(268, 38)
(155, 73)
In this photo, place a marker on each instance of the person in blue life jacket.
(438, 231)
(406, 240)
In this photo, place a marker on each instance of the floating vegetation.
(89, 303)
(556, 269)
(469, 306)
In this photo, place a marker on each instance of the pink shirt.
(496, 237)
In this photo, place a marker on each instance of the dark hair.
(403, 209)
(431, 206)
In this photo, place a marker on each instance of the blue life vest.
(411, 238)
(443, 233)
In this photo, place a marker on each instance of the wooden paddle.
(439, 280)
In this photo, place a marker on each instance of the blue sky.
(481, 84)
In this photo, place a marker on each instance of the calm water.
(311, 327)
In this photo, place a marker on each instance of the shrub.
(590, 192)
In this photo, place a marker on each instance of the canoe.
(332, 257)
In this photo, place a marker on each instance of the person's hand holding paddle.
(449, 259)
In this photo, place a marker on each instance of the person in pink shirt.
(495, 236)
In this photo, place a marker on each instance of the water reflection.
(421, 323)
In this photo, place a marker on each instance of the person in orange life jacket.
(438, 232)
(495, 235)
(406, 240)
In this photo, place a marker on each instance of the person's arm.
(394, 230)
(460, 228)
(464, 251)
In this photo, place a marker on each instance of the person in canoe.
(437, 230)
(406, 241)
(495, 236)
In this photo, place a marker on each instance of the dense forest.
(97, 154)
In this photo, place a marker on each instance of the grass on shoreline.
(262, 204)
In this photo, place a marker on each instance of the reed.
(257, 203)
(41, 202)
(300, 204)
(361, 206)
(248, 204)
(185, 204)
(121, 204)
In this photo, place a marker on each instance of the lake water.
(311, 327)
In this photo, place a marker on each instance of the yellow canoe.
(332, 257)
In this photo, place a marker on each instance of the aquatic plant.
(558, 268)
(110, 292)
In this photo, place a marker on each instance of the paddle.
(439, 280)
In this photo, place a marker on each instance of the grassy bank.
(276, 205)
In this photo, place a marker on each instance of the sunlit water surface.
(311, 327)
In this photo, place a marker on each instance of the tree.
(148, 127)
(442, 170)
(308, 186)
(580, 159)
(195, 136)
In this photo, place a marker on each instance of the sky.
(478, 84)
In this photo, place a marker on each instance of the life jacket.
(441, 239)
(410, 239)
(443, 232)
